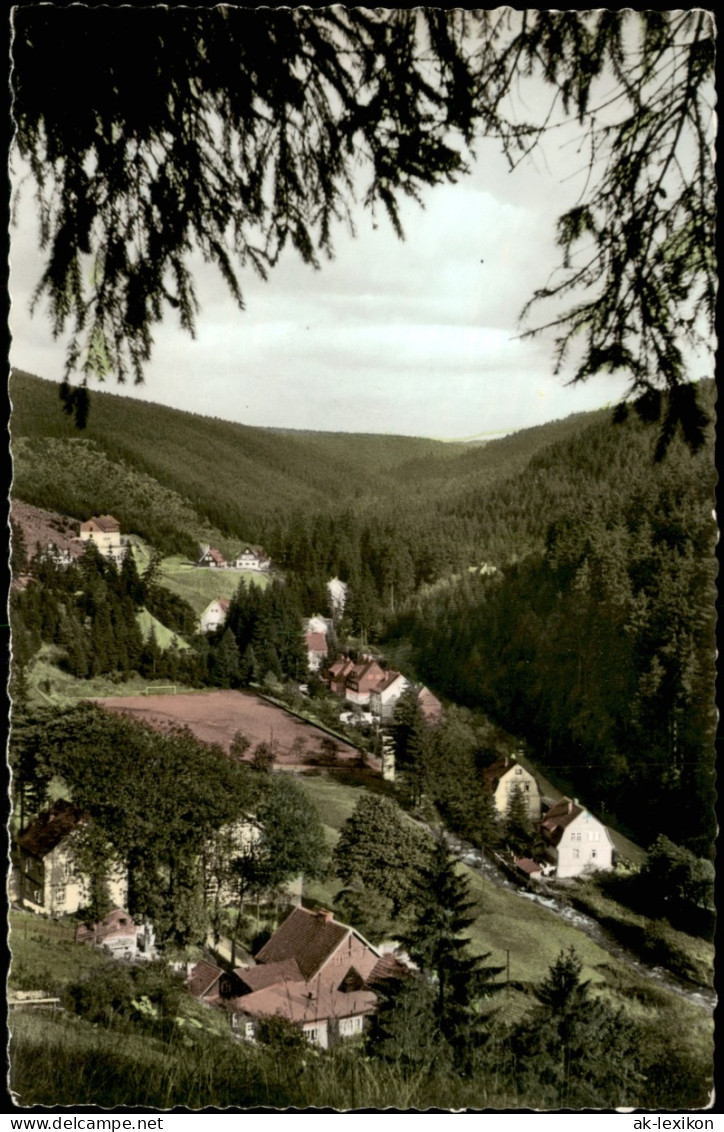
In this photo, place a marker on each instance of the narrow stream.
(703, 997)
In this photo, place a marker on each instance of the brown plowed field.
(215, 717)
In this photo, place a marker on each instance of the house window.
(519, 770)
(527, 787)
(312, 1035)
(594, 854)
(575, 854)
(60, 894)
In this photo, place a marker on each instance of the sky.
(417, 337)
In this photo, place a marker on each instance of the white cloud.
(416, 336)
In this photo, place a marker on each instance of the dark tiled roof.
(308, 937)
(105, 522)
(202, 978)
(557, 818)
(50, 828)
(387, 967)
(493, 773)
(363, 677)
(266, 974)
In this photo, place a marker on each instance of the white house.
(214, 615)
(386, 693)
(47, 876)
(317, 624)
(577, 841)
(105, 533)
(251, 558)
(337, 590)
(507, 775)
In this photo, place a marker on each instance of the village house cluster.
(248, 558)
(317, 973)
(320, 975)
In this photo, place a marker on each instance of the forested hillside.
(589, 633)
(598, 645)
(174, 477)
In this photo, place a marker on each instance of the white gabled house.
(214, 615)
(506, 775)
(251, 558)
(47, 877)
(386, 693)
(104, 532)
(577, 841)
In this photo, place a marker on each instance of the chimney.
(575, 801)
(506, 760)
(570, 806)
(324, 915)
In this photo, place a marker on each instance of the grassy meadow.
(50, 685)
(198, 586)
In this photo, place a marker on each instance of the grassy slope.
(199, 586)
(164, 637)
(50, 685)
(505, 922)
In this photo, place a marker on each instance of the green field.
(164, 637)
(506, 925)
(50, 685)
(198, 585)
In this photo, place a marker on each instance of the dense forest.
(598, 646)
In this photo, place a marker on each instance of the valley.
(582, 641)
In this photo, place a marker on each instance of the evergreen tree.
(149, 662)
(131, 584)
(441, 914)
(224, 665)
(405, 1028)
(381, 847)
(575, 1049)
(18, 549)
(518, 833)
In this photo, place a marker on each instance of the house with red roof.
(118, 934)
(317, 973)
(577, 841)
(430, 705)
(203, 980)
(212, 558)
(214, 615)
(46, 875)
(316, 644)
